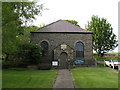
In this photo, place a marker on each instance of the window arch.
(44, 45)
(79, 48)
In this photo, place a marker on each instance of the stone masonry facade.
(56, 39)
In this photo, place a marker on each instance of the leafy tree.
(14, 16)
(9, 29)
(104, 39)
(25, 37)
(73, 22)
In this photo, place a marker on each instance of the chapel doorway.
(63, 61)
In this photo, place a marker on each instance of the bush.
(12, 63)
(44, 66)
(26, 54)
(29, 54)
(6, 64)
(18, 69)
(100, 65)
(32, 67)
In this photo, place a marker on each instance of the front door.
(63, 60)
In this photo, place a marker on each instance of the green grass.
(95, 78)
(22, 78)
(104, 58)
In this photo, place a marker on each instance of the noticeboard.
(79, 61)
(54, 63)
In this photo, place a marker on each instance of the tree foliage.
(14, 16)
(104, 40)
(9, 28)
(25, 37)
(73, 22)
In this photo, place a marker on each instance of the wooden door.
(63, 60)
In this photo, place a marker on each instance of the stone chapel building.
(64, 43)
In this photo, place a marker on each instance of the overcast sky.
(79, 10)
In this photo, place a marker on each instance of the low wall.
(110, 55)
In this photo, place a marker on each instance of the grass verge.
(23, 78)
(95, 77)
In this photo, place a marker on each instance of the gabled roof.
(61, 26)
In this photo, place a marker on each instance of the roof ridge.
(62, 26)
(50, 24)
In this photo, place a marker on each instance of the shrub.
(29, 54)
(26, 54)
(44, 66)
(32, 67)
(6, 64)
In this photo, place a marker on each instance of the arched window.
(44, 46)
(79, 48)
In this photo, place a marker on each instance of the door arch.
(63, 60)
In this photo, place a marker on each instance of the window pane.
(79, 50)
(79, 46)
(44, 45)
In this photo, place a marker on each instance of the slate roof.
(61, 26)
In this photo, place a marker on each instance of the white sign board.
(54, 63)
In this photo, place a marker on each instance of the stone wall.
(56, 39)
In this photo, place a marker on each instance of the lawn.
(104, 58)
(95, 77)
(23, 78)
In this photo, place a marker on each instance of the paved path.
(64, 79)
